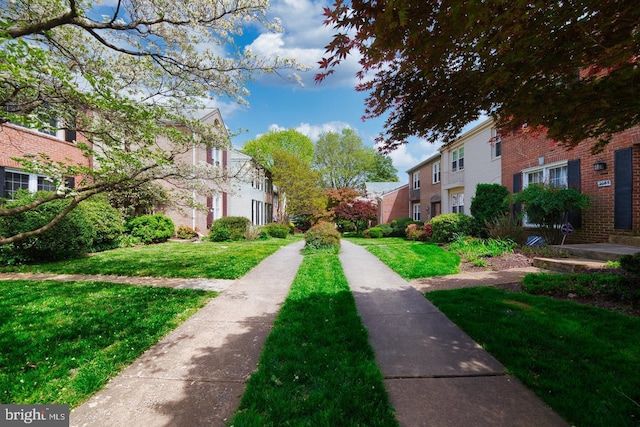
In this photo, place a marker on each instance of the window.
(416, 211)
(457, 203)
(496, 144)
(457, 159)
(45, 184)
(257, 212)
(436, 172)
(14, 181)
(554, 174)
(416, 180)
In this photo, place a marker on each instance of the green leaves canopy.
(572, 67)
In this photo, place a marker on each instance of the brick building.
(425, 196)
(611, 178)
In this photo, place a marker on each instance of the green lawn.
(61, 341)
(411, 260)
(227, 260)
(583, 361)
(317, 367)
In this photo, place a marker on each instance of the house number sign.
(605, 183)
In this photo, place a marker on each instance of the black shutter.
(70, 135)
(573, 181)
(70, 182)
(623, 186)
(2, 179)
(517, 187)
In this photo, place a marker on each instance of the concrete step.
(597, 251)
(625, 240)
(568, 265)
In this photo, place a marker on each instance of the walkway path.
(196, 374)
(434, 373)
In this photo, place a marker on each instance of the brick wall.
(17, 141)
(521, 151)
(394, 205)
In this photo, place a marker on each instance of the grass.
(61, 342)
(317, 367)
(411, 260)
(582, 361)
(227, 260)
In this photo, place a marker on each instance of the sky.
(276, 103)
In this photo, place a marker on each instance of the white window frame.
(416, 212)
(496, 144)
(543, 173)
(32, 183)
(457, 159)
(457, 203)
(435, 169)
(416, 180)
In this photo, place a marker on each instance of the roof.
(377, 189)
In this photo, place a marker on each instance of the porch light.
(599, 165)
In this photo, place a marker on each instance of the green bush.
(70, 238)
(279, 231)
(234, 227)
(373, 233)
(399, 226)
(448, 227)
(151, 228)
(322, 236)
(631, 263)
(490, 202)
(386, 229)
(185, 232)
(107, 223)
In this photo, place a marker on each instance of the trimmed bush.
(448, 227)
(631, 263)
(490, 202)
(185, 232)
(373, 233)
(70, 238)
(234, 227)
(279, 231)
(399, 227)
(419, 232)
(107, 222)
(323, 235)
(151, 228)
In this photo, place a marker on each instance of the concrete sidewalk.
(196, 375)
(434, 373)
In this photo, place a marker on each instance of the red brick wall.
(521, 151)
(394, 205)
(16, 141)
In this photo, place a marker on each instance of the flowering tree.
(572, 67)
(359, 212)
(123, 75)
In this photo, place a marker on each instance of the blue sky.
(277, 104)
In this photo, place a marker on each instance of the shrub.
(399, 226)
(255, 233)
(151, 228)
(279, 231)
(418, 231)
(185, 232)
(373, 233)
(607, 285)
(234, 226)
(631, 263)
(323, 235)
(70, 238)
(506, 226)
(448, 227)
(490, 202)
(107, 222)
(386, 229)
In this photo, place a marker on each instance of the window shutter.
(70, 135)
(573, 181)
(2, 193)
(623, 180)
(517, 187)
(70, 182)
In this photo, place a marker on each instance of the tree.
(343, 160)
(300, 184)
(359, 212)
(572, 67)
(382, 170)
(123, 77)
(490, 203)
(262, 149)
(549, 207)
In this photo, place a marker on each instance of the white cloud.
(304, 38)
